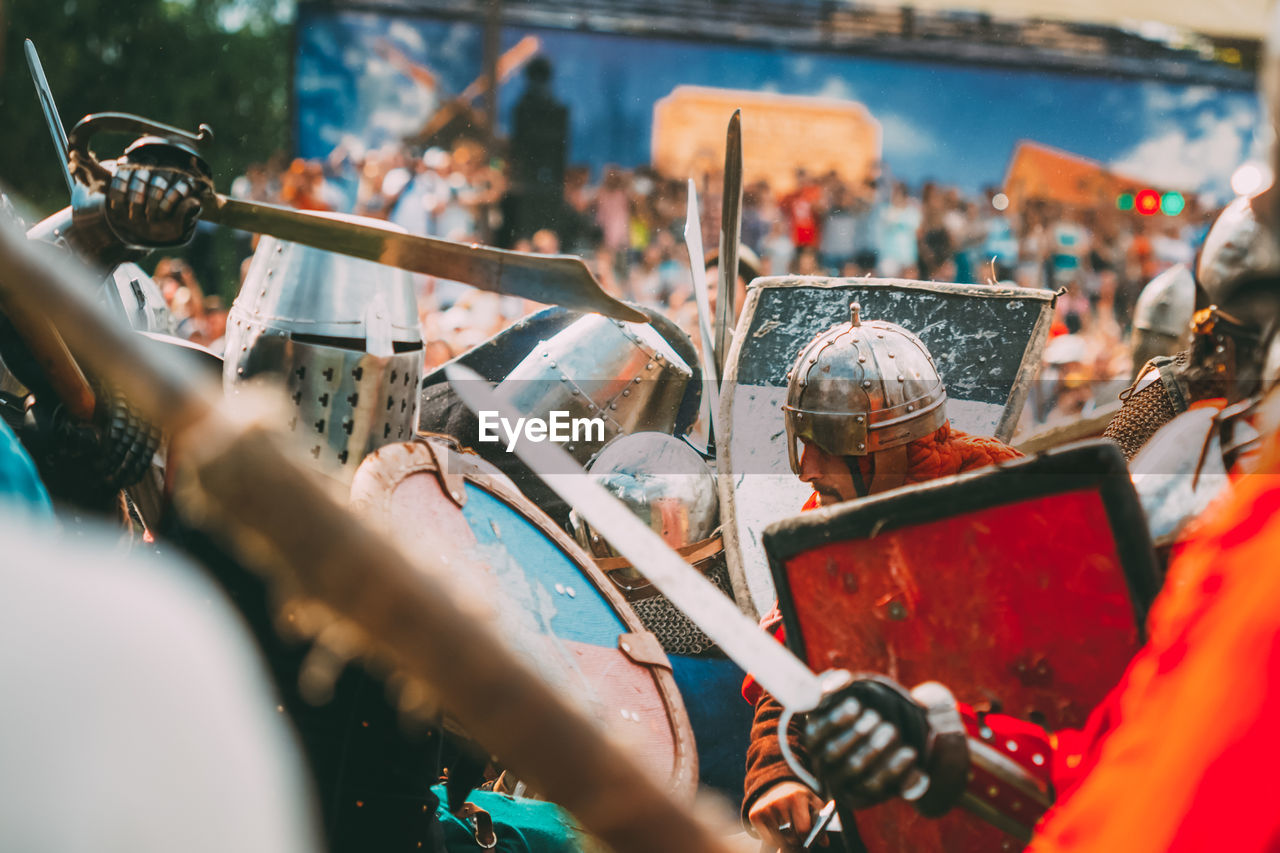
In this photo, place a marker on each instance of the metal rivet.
(891, 355)
(636, 380)
(862, 359)
(866, 383)
(902, 379)
(1011, 745)
(862, 447)
(1016, 805)
(985, 732)
(993, 792)
(649, 366)
(626, 392)
(1037, 760)
(911, 408)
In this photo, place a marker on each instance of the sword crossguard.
(87, 169)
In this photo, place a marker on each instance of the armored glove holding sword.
(88, 441)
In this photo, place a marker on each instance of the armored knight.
(1192, 712)
(666, 483)
(342, 336)
(865, 413)
(146, 199)
(1225, 355)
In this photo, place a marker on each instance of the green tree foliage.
(182, 62)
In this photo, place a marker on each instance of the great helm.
(625, 374)
(342, 336)
(863, 388)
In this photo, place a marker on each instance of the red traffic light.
(1147, 202)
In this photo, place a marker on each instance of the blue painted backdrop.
(956, 124)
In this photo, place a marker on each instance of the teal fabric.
(19, 483)
(522, 825)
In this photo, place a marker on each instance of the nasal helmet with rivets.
(860, 389)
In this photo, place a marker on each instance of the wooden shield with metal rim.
(1023, 588)
(986, 342)
(538, 588)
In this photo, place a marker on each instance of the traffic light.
(1149, 202)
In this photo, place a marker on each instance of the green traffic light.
(1124, 201)
(1171, 204)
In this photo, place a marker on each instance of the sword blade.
(698, 269)
(49, 108)
(737, 636)
(549, 279)
(730, 234)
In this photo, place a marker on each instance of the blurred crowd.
(629, 225)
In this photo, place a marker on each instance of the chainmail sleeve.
(1150, 406)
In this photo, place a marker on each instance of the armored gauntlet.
(871, 740)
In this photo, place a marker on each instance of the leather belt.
(697, 554)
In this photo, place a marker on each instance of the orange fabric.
(1189, 760)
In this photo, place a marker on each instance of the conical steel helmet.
(862, 388)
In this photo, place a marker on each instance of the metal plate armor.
(625, 374)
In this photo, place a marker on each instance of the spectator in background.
(899, 252)
(840, 229)
(777, 249)
(820, 227)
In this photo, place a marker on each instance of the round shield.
(514, 567)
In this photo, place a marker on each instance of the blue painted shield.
(515, 569)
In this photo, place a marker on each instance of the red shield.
(1022, 588)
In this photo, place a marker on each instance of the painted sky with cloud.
(954, 123)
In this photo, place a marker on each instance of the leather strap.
(453, 485)
(697, 554)
(693, 553)
(643, 648)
